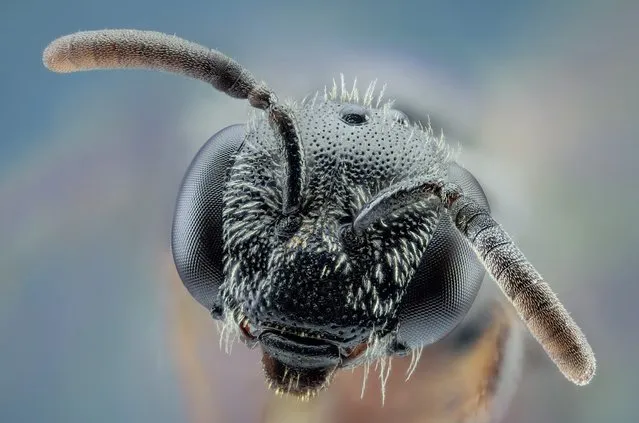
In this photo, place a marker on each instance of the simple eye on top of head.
(354, 115)
(196, 247)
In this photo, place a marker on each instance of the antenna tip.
(583, 374)
(549, 322)
(55, 57)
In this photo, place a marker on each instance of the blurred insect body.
(331, 232)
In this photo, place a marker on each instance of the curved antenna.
(295, 176)
(535, 302)
(391, 201)
(537, 305)
(126, 48)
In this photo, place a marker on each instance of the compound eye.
(354, 115)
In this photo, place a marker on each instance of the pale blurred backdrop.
(542, 95)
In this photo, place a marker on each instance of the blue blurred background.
(94, 326)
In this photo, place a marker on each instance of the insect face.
(330, 232)
(304, 282)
